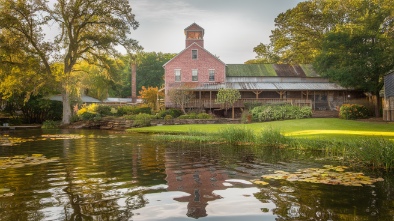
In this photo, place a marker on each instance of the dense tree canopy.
(86, 30)
(150, 73)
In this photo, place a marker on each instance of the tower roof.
(194, 27)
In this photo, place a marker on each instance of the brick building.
(195, 69)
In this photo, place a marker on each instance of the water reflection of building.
(195, 175)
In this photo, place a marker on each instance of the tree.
(228, 97)
(181, 96)
(150, 69)
(151, 96)
(359, 53)
(90, 30)
(150, 73)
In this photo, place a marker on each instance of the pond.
(106, 175)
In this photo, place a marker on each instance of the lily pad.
(259, 182)
(2, 190)
(332, 175)
(18, 161)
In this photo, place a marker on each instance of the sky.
(232, 27)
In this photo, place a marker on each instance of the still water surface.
(105, 175)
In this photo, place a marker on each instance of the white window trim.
(209, 74)
(194, 71)
(196, 54)
(180, 74)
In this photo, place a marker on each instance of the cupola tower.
(194, 33)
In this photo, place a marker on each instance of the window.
(211, 75)
(194, 75)
(177, 75)
(194, 54)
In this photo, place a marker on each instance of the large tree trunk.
(66, 107)
(133, 83)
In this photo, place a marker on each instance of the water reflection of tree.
(322, 202)
(95, 198)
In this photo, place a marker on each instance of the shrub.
(104, 110)
(50, 124)
(127, 110)
(142, 120)
(353, 111)
(204, 116)
(280, 112)
(246, 117)
(173, 112)
(168, 117)
(188, 116)
(87, 116)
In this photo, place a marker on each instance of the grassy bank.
(321, 128)
(354, 142)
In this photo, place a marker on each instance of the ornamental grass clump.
(237, 135)
(272, 137)
(354, 111)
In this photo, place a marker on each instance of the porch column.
(257, 93)
(210, 101)
(314, 100)
(200, 102)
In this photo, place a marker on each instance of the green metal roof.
(270, 70)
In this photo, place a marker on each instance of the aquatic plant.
(236, 135)
(329, 174)
(50, 124)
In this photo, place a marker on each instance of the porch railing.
(210, 103)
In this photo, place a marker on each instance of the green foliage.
(82, 37)
(227, 96)
(280, 112)
(142, 120)
(97, 111)
(353, 111)
(188, 116)
(168, 117)
(172, 112)
(246, 117)
(50, 124)
(236, 135)
(105, 110)
(127, 110)
(196, 116)
(37, 110)
(272, 137)
(204, 116)
(150, 72)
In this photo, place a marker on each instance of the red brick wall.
(204, 62)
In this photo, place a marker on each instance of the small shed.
(388, 104)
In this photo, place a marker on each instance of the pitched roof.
(270, 70)
(194, 43)
(194, 27)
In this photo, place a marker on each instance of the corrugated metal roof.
(242, 86)
(84, 99)
(269, 70)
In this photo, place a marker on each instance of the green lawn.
(310, 128)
